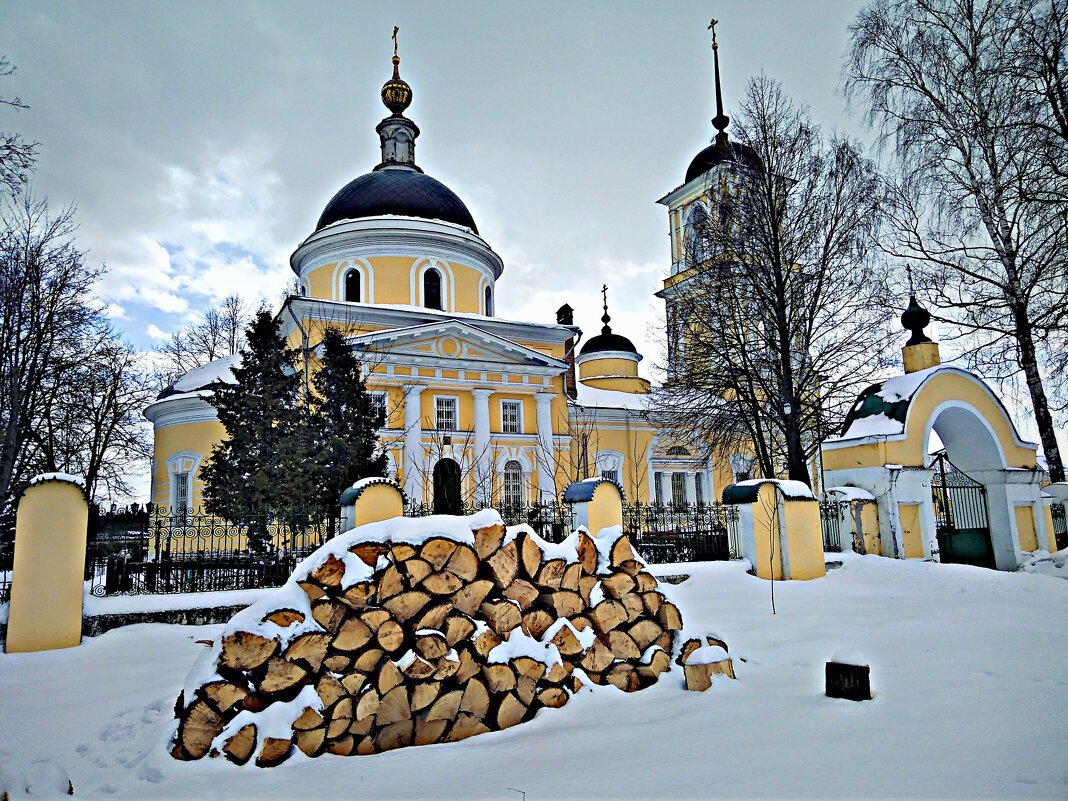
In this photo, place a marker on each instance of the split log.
(368, 552)
(525, 689)
(275, 751)
(486, 641)
(598, 657)
(475, 698)
(559, 672)
(607, 615)
(239, 748)
(621, 551)
(634, 606)
(522, 592)
(586, 585)
(470, 598)
(223, 695)
(361, 726)
(367, 704)
(567, 603)
(617, 584)
(502, 616)
(499, 677)
(391, 583)
(243, 650)
(431, 644)
(429, 731)
(284, 617)
(566, 642)
(342, 746)
(659, 662)
(687, 648)
(281, 675)
(442, 583)
(309, 650)
(510, 712)
(394, 707)
(623, 676)
(329, 690)
(329, 614)
(570, 579)
(530, 555)
(368, 661)
(488, 540)
(446, 706)
(644, 632)
(309, 719)
(437, 551)
(526, 666)
(504, 564)
(329, 573)
(389, 676)
(353, 635)
(587, 553)
(623, 645)
(463, 563)
(312, 590)
(424, 694)
(407, 604)
(446, 667)
(359, 595)
(374, 618)
(666, 640)
(646, 581)
(433, 616)
(669, 617)
(466, 725)
(401, 552)
(468, 667)
(338, 663)
(458, 627)
(366, 746)
(200, 725)
(415, 570)
(340, 718)
(652, 601)
(536, 622)
(552, 697)
(396, 735)
(311, 742)
(632, 567)
(353, 682)
(551, 574)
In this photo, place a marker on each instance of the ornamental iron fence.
(665, 533)
(553, 520)
(1060, 525)
(190, 550)
(831, 523)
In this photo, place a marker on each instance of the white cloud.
(156, 333)
(116, 312)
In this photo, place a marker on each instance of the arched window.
(432, 289)
(698, 232)
(352, 286)
(513, 484)
(489, 302)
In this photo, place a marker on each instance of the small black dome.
(609, 341)
(715, 154)
(396, 191)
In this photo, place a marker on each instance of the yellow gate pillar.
(49, 568)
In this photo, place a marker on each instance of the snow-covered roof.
(596, 398)
(746, 491)
(220, 371)
(852, 493)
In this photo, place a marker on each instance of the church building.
(479, 409)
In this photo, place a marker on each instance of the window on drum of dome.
(352, 286)
(510, 417)
(489, 302)
(180, 501)
(445, 414)
(432, 289)
(678, 489)
(513, 484)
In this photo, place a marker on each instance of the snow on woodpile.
(416, 631)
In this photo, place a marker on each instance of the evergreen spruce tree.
(254, 473)
(343, 422)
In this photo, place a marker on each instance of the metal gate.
(961, 518)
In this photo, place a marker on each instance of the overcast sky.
(200, 141)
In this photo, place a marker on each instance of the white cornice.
(582, 358)
(181, 409)
(394, 236)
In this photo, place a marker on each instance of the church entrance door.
(447, 500)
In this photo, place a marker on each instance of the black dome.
(609, 341)
(715, 154)
(403, 192)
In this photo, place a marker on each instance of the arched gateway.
(979, 501)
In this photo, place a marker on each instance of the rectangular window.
(611, 475)
(511, 412)
(678, 489)
(181, 491)
(513, 485)
(445, 414)
(378, 406)
(699, 488)
(658, 487)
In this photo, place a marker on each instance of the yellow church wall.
(1051, 538)
(607, 367)
(198, 438)
(1025, 527)
(527, 414)
(630, 384)
(868, 455)
(911, 535)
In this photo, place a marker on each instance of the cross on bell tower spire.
(721, 120)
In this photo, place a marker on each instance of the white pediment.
(453, 344)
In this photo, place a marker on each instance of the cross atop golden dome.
(396, 93)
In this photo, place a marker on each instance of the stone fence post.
(597, 503)
(778, 528)
(48, 574)
(860, 522)
(370, 500)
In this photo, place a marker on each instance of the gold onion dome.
(396, 93)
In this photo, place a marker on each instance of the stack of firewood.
(440, 638)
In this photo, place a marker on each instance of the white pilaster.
(413, 441)
(546, 462)
(483, 457)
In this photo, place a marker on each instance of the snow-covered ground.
(967, 665)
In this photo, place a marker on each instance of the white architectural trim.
(608, 354)
(367, 280)
(177, 410)
(500, 409)
(979, 418)
(183, 462)
(448, 282)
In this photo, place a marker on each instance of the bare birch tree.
(219, 334)
(17, 156)
(971, 94)
(784, 315)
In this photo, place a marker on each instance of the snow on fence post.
(779, 528)
(597, 503)
(49, 568)
(370, 500)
